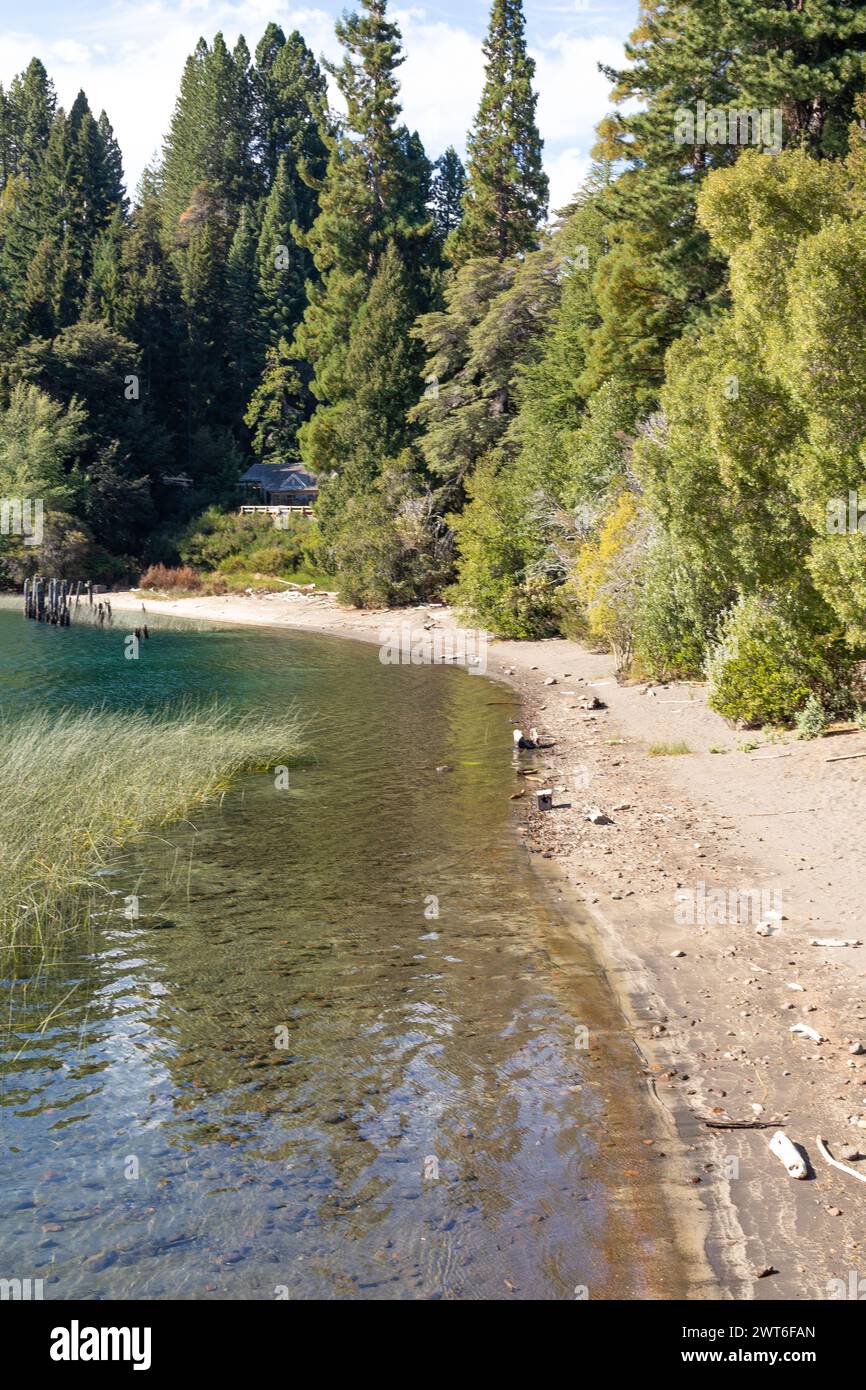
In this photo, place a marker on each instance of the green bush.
(238, 543)
(768, 662)
(811, 721)
(498, 547)
(677, 616)
(531, 609)
(272, 559)
(233, 564)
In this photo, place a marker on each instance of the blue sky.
(128, 56)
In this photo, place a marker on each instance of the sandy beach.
(706, 877)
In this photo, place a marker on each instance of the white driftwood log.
(781, 1146)
(804, 1031)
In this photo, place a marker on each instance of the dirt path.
(706, 982)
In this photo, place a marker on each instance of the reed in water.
(77, 785)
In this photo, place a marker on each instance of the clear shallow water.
(154, 1142)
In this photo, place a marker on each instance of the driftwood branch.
(741, 1124)
(843, 1167)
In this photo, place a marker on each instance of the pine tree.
(383, 365)
(57, 210)
(36, 208)
(93, 191)
(492, 326)
(278, 405)
(653, 283)
(449, 184)
(203, 284)
(149, 311)
(7, 140)
(39, 294)
(291, 117)
(211, 133)
(104, 286)
(808, 58)
(38, 263)
(506, 193)
(367, 79)
(30, 107)
(244, 337)
(280, 262)
(207, 179)
(375, 193)
(550, 402)
(115, 188)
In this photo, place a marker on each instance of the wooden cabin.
(278, 487)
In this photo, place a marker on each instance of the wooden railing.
(278, 510)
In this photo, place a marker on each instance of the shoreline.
(712, 1023)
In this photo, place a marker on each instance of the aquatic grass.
(77, 785)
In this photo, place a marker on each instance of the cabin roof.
(280, 477)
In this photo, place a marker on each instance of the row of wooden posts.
(55, 600)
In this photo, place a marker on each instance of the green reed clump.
(74, 786)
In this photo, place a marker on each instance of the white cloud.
(441, 82)
(566, 170)
(70, 51)
(572, 94)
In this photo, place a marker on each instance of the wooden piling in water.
(51, 601)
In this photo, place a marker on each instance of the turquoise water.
(290, 1077)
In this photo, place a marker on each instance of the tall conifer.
(506, 195)
(374, 195)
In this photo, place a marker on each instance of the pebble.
(94, 1264)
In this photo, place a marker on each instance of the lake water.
(427, 1126)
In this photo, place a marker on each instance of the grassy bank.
(77, 785)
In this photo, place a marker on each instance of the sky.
(128, 56)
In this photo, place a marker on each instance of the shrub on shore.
(78, 785)
(226, 543)
(769, 662)
(164, 577)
